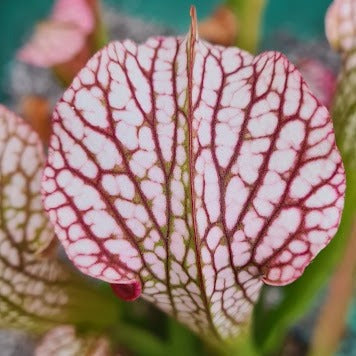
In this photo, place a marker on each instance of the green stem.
(249, 17)
(138, 341)
(99, 37)
(243, 345)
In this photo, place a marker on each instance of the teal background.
(303, 18)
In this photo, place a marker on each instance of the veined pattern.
(192, 172)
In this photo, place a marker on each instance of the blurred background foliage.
(300, 18)
(291, 309)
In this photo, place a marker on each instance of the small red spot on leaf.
(127, 291)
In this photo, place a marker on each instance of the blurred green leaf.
(344, 114)
(243, 345)
(249, 18)
(139, 341)
(181, 340)
(99, 37)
